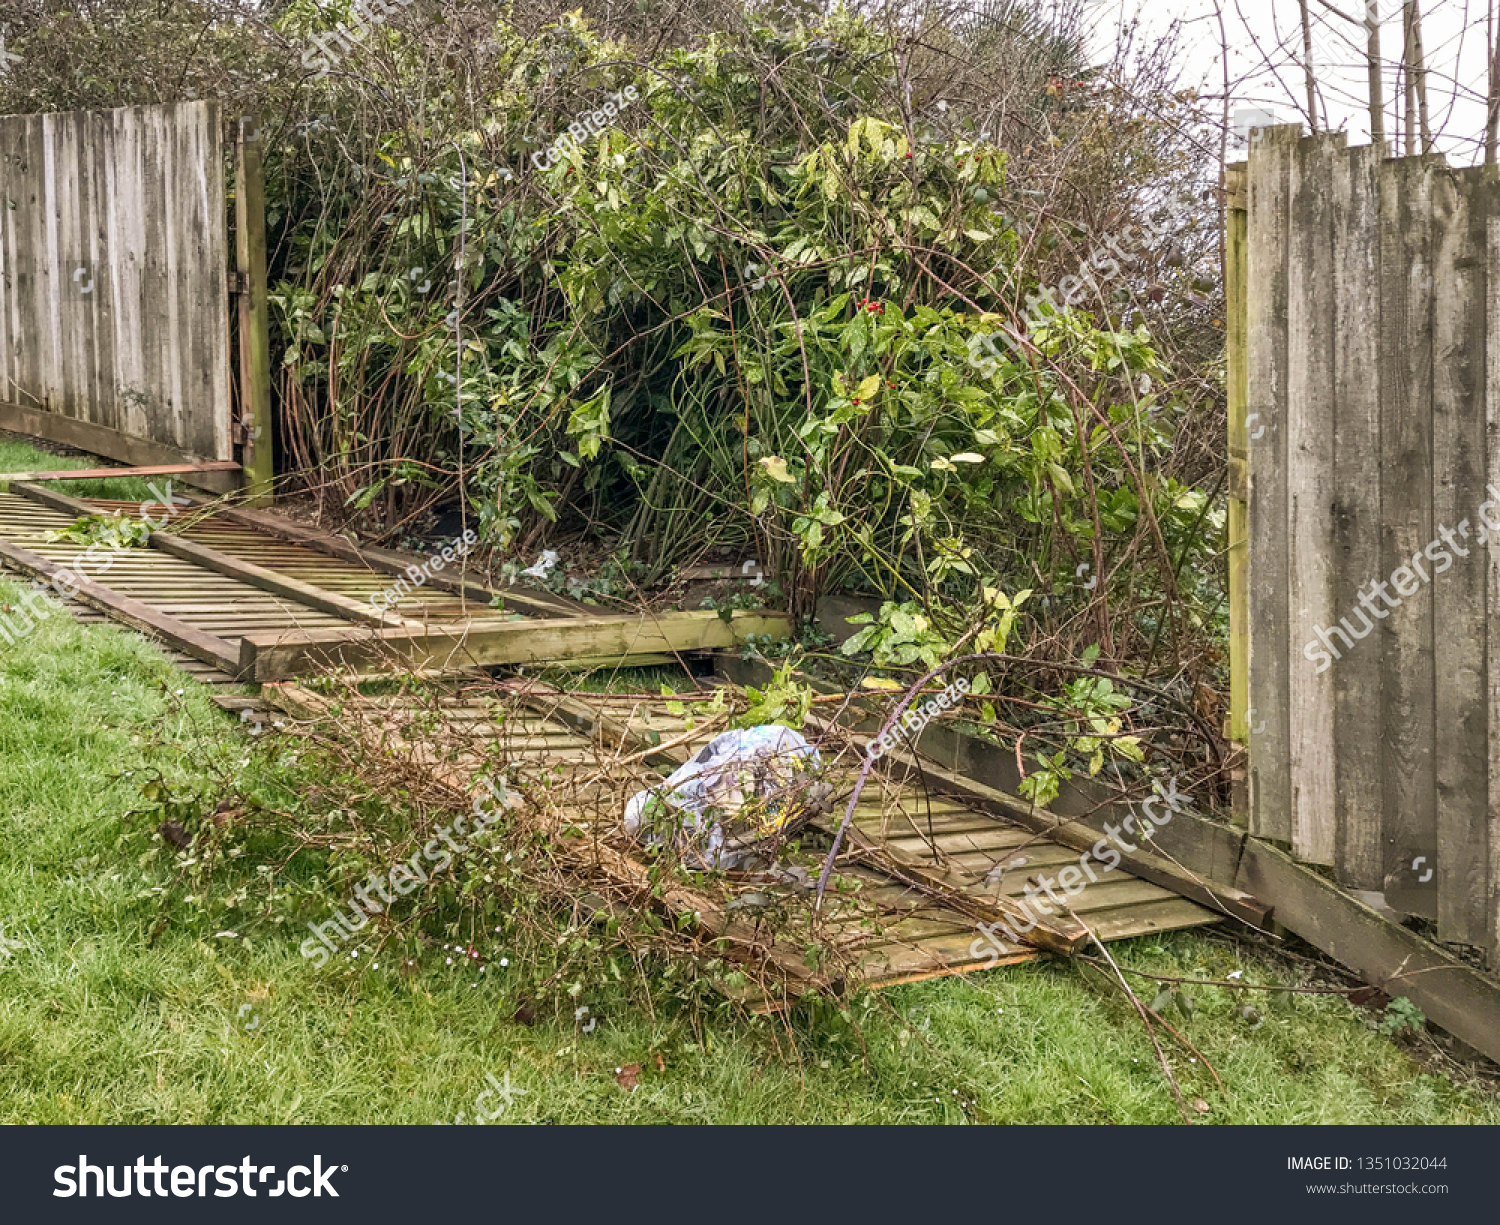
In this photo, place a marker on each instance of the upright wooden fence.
(113, 282)
(1372, 431)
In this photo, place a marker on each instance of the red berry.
(856, 401)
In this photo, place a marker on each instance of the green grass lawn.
(108, 1016)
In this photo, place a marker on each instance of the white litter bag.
(736, 792)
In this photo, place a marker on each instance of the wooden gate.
(114, 263)
(1369, 415)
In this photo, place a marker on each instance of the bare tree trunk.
(1377, 82)
(1309, 76)
(1419, 74)
(1492, 126)
(1408, 67)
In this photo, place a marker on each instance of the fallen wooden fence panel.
(135, 613)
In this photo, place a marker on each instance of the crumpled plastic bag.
(749, 769)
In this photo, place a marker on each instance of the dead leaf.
(661, 1064)
(627, 1076)
(175, 834)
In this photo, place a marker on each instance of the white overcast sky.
(1262, 31)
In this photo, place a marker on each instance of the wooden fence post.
(1237, 528)
(254, 319)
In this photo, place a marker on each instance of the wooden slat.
(1237, 542)
(1266, 321)
(1410, 790)
(1461, 202)
(669, 898)
(273, 656)
(1490, 558)
(254, 309)
(89, 474)
(1355, 493)
(1309, 478)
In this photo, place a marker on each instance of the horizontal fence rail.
(1373, 438)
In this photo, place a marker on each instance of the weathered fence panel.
(1373, 338)
(114, 329)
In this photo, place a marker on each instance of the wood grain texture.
(1489, 514)
(1355, 492)
(113, 249)
(1309, 490)
(1237, 542)
(1270, 174)
(1407, 731)
(281, 655)
(1461, 202)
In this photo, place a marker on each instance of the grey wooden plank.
(1407, 724)
(47, 323)
(1309, 482)
(1269, 224)
(1490, 516)
(1355, 490)
(1461, 203)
